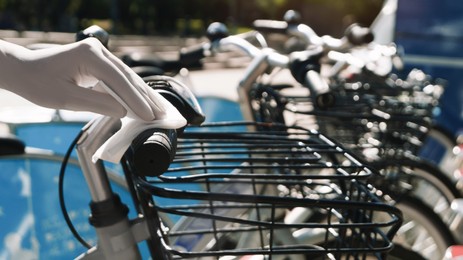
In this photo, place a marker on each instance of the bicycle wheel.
(419, 179)
(438, 147)
(422, 232)
(442, 136)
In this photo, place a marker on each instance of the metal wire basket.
(364, 120)
(388, 124)
(233, 192)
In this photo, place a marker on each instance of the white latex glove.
(81, 76)
(85, 76)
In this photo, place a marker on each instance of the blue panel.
(218, 109)
(55, 136)
(430, 32)
(30, 210)
(31, 221)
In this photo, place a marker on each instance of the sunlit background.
(179, 17)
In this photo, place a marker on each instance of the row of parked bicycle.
(355, 98)
(344, 161)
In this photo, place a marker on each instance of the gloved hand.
(81, 76)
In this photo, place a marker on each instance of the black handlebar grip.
(153, 151)
(191, 55)
(320, 91)
(358, 35)
(11, 145)
(217, 31)
(292, 17)
(305, 67)
(94, 31)
(270, 26)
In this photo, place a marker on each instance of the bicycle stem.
(300, 64)
(257, 67)
(96, 132)
(117, 237)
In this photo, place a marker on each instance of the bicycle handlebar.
(304, 66)
(354, 34)
(218, 32)
(148, 148)
(94, 31)
(153, 151)
(270, 26)
(232, 43)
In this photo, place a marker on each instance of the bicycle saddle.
(11, 145)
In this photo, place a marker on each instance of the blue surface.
(54, 136)
(218, 109)
(430, 33)
(30, 214)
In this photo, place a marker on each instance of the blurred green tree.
(178, 16)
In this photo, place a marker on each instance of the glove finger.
(84, 99)
(116, 82)
(162, 109)
(156, 102)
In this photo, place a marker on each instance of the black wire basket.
(365, 121)
(233, 192)
(358, 118)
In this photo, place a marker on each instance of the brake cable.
(61, 192)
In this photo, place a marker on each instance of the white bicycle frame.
(117, 235)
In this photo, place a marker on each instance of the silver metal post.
(116, 240)
(257, 67)
(95, 134)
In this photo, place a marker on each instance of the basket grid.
(225, 187)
